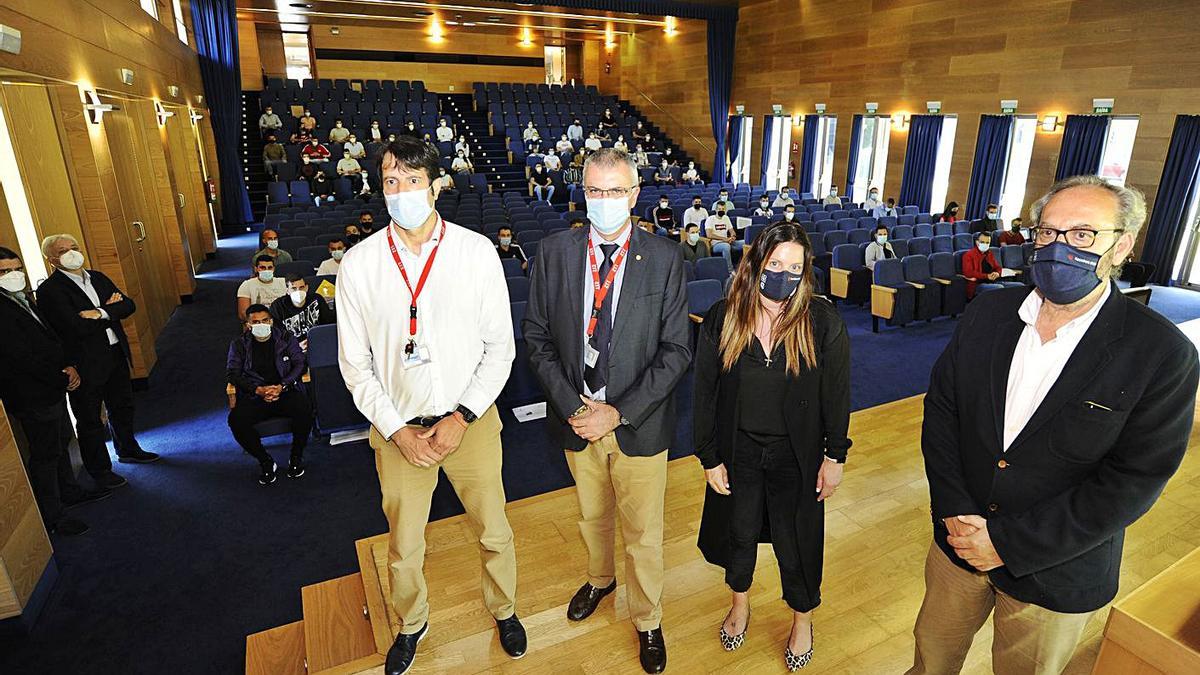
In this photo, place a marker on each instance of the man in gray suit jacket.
(608, 338)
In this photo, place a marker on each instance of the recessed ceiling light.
(451, 23)
(423, 13)
(591, 25)
(524, 4)
(468, 23)
(494, 19)
(302, 5)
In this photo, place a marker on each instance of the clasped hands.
(970, 540)
(428, 447)
(96, 313)
(596, 422)
(269, 392)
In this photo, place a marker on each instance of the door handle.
(141, 228)
(180, 199)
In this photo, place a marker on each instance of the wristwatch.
(468, 416)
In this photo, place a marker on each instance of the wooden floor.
(878, 533)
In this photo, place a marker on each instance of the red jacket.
(973, 267)
(316, 151)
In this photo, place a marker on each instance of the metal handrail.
(674, 119)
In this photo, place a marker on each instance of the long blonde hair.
(794, 327)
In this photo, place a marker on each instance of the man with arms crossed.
(607, 330)
(425, 343)
(1087, 412)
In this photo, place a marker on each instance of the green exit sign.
(1102, 110)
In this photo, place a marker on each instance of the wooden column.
(24, 547)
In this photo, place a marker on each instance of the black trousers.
(48, 434)
(106, 384)
(766, 478)
(251, 410)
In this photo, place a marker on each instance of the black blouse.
(761, 390)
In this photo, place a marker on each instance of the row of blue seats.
(278, 83)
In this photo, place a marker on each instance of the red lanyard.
(599, 292)
(412, 308)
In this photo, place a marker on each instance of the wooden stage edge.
(877, 535)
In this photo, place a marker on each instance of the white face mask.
(261, 331)
(608, 215)
(693, 238)
(13, 282)
(272, 244)
(71, 260)
(337, 255)
(789, 216)
(409, 209)
(297, 297)
(266, 276)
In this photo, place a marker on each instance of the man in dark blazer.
(1054, 419)
(85, 308)
(35, 375)
(610, 383)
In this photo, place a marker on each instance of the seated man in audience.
(564, 146)
(445, 180)
(529, 134)
(783, 198)
(592, 143)
(351, 234)
(642, 134)
(602, 135)
(991, 218)
(697, 214)
(722, 198)
(322, 189)
(300, 137)
(1012, 236)
(872, 202)
(307, 172)
(300, 309)
(720, 231)
(315, 152)
(764, 208)
(366, 223)
(552, 160)
(886, 210)
(348, 167)
(691, 175)
(507, 249)
(410, 129)
(789, 213)
(694, 246)
(375, 133)
(308, 122)
(265, 364)
(641, 157)
(541, 184)
(261, 289)
(269, 123)
(339, 133)
(444, 133)
(461, 165)
(608, 121)
(663, 175)
(832, 197)
(274, 156)
(575, 131)
(670, 158)
(979, 264)
(355, 147)
(535, 152)
(331, 265)
(463, 146)
(664, 217)
(879, 248)
(269, 246)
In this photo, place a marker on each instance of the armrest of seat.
(883, 301)
(944, 282)
(231, 392)
(916, 285)
(839, 282)
(696, 318)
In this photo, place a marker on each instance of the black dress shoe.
(586, 599)
(73, 499)
(512, 636)
(69, 527)
(268, 473)
(109, 480)
(403, 651)
(139, 457)
(653, 650)
(295, 468)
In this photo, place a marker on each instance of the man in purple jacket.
(265, 364)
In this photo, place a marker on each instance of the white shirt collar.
(434, 238)
(597, 239)
(1033, 304)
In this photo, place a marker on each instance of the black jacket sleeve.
(117, 311)
(235, 364)
(948, 495)
(835, 384)
(705, 387)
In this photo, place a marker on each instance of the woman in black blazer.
(771, 412)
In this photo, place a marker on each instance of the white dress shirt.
(329, 266)
(695, 216)
(589, 291)
(464, 326)
(445, 134)
(1036, 365)
(84, 281)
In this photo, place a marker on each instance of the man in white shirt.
(269, 122)
(355, 147)
(564, 146)
(764, 209)
(722, 198)
(832, 197)
(888, 209)
(575, 131)
(444, 132)
(592, 143)
(332, 264)
(872, 201)
(552, 160)
(348, 167)
(427, 380)
(721, 232)
(1054, 419)
(783, 198)
(695, 215)
(262, 288)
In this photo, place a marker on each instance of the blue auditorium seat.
(954, 286)
(335, 409)
(942, 243)
(512, 267)
(920, 246)
(712, 268)
(892, 298)
(849, 277)
(518, 289)
(928, 290)
(963, 242)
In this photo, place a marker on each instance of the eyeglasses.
(1078, 237)
(599, 193)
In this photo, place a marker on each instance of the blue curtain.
(808, 156)
(735, 145)
(765, 162)
(215, 24)
(1176, 190)
(721, 37)
(1082, 145)
(852, 161)
(920, 160)
(987, 173)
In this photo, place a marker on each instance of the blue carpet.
(194, 554)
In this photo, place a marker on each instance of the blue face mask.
(983, 248)
(881, 238)
(778, 286)
(1063, 273)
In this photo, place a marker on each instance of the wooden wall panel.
(249, 60)
(161, 181)
(438, 77)
(270, 50)
(24, 546)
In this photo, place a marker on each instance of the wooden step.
(336, 628)
(279, 651)
(381, 622)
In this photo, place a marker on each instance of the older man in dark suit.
(607, 330)
(1085, 414)
(85, 308)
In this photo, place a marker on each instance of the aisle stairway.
(490, 154)
(252, 164)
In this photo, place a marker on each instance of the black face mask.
(778, 286)
(366, 227)
(353, 238)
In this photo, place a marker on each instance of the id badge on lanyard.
(415, 354)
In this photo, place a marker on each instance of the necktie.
(597, 376)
